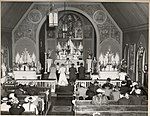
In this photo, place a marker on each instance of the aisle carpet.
(61, 109)
(62, 103)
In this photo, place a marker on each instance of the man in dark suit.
(72, 74)
(81, 71)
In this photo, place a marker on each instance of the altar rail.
(101, 82)
(39, 83)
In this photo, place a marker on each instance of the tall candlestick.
(45, 63)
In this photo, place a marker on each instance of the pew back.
(85, 107)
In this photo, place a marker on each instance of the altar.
(109, 74)
(24, 75)
(63, 61)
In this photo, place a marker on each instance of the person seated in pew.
(124, 100)
(108, 88)
(5, 104)
(100, 97)
(32, 90)
(19, 90)
(13, 98)
(137, 99)
(136, 86)
(91, 91)
(16, 109)
(107, 84)
(29, 106)
(128, 81)
(124, 88)
(116, 93)
(81, 91)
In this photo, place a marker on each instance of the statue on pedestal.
(49, 60)
(38, 67)
(89, 62)
(3, 68)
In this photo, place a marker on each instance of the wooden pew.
(85, 107)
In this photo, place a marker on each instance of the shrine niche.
(110, 55)
(22, 44)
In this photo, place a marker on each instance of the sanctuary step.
(65, 91)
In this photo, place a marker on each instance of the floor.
(62, 103)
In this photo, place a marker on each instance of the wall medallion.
(35, 16)
(100, 16)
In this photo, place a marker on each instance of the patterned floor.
(61, 109)
(62, 105)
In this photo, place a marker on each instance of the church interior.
(74, 58)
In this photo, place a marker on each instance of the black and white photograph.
(74, 58)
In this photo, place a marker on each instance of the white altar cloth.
(109, 74)
(72, 61)
(24, 75)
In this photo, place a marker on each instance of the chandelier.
(65, 26)
(52, 17)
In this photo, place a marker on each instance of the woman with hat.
(100, 98)
(29, 105)
(5, 104)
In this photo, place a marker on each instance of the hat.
(100, 91)
(123, 83)
(108, 79)
(30, 98)
(134, 83)
(11, 95)
(82, 84)
(5, 99)
(138, 91)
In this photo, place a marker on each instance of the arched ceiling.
(126, 15)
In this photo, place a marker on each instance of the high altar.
(68, 53)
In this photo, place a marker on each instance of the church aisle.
(62, 103)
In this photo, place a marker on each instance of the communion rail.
(88, 82)
(39, 83)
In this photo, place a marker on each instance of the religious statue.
(49, 54)
(89, 64)
(140, 63)
(72, 47)
(49, 60)
(109, 56)
(38, 69)
(94, 66)
(3, 68)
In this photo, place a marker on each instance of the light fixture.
(65, 26)
(53, 17)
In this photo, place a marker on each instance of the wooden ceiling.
(11, 13)
(126, 15)
(129, 15)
